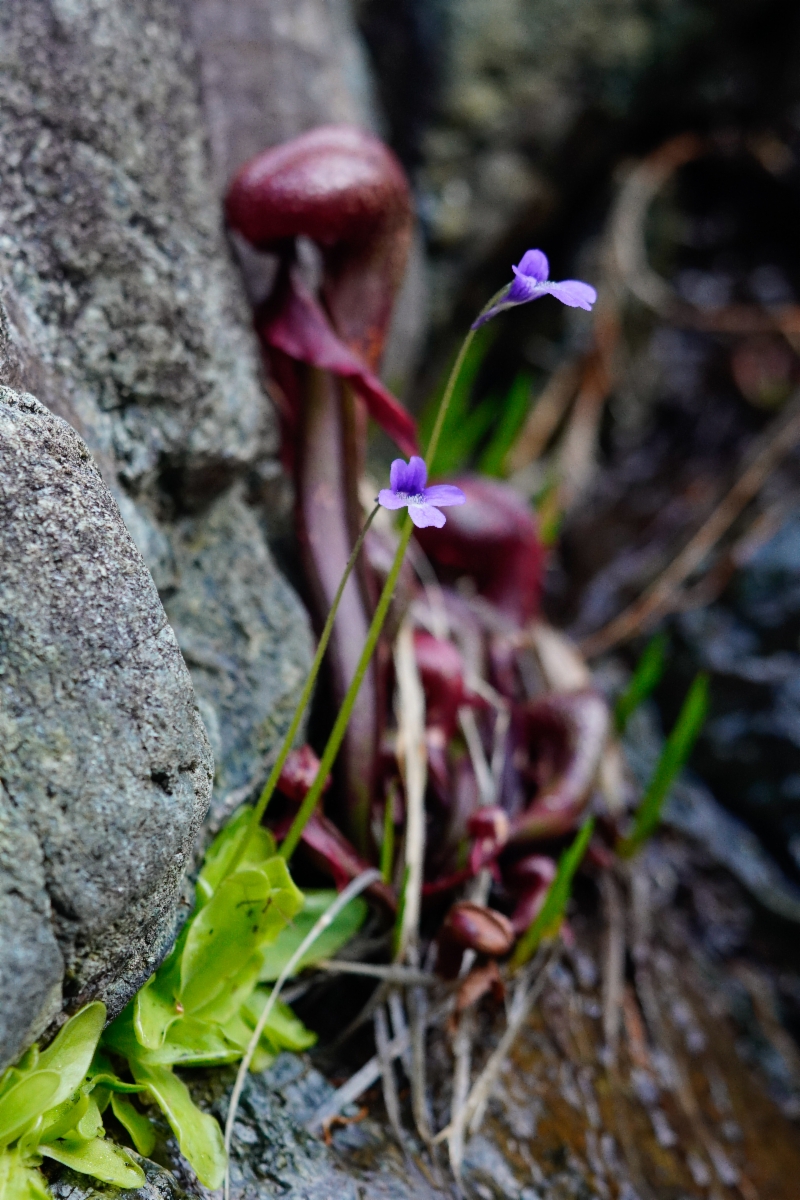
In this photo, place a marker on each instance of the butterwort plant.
(407, 489)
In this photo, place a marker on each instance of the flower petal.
(524, 288)
(442, 494)
(390, 499)
(573, 293)
(534, 264)
(424, 515)
(417, 475)
(409, 476)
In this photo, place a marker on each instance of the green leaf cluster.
(202, 1005)
(51, 1106)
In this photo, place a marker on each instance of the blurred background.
(650, 147)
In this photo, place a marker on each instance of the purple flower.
(408, 490)
(531, 282)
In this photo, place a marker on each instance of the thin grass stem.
(342, 900)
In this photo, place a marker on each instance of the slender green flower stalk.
(337, 733)
(340, 727)
(302, 704)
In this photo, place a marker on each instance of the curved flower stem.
(433, 444)
(431, 448)
(302, 704)
(337, 733)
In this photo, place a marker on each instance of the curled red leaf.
(493, 539)
(574, 729)
(298, 326)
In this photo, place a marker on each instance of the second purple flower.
(407, 489)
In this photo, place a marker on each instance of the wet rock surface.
(114, 264)
(105, 767)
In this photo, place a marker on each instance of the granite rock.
(125, 312)
(104, 762)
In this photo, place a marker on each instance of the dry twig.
(662, 596)
(412, 752)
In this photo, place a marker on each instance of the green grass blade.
(673, 758)
(513, 411)
(644, 680)
(458, 409)
(548, 922)
(387, 845)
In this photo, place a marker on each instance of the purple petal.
(390, 499)
(534, 264)
(408, 476)
(573, 293)
(417, 475)
(442, 494)
(524, 288)
(424, 515)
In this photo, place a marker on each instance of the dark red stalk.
(345, 190)
(530, 878)
(494, 539)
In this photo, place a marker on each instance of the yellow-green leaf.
(248, 910)
(154, 1010)
(25, 1101)
(100, 1158)
(18, 1181)
(225, 845)
(199, 1135)
(63, 1118)
(140, 1128)
(72, 1051)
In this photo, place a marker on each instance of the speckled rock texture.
(116, 275)
(105, 767)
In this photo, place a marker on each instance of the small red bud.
(490, 823)
(475, 927)
(298, 774)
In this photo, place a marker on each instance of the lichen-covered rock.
(105, 768)
(235, 618)
(126, 313)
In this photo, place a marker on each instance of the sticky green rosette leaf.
(344, 927)
(198, 1133)
(98, 1157)
(18, 1181)
(247, 912)
(260, 846)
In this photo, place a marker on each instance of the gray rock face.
(117, 279)
(104, 763)
(234, 616)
